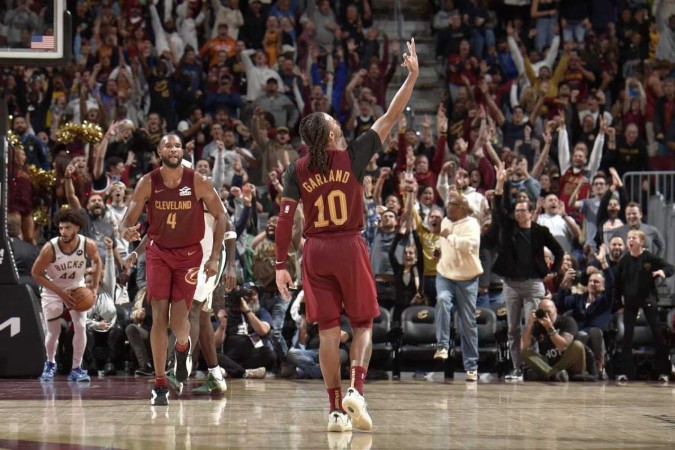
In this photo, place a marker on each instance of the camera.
(540, 313)
(233, 299)
(578, 275)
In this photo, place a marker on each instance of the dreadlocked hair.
(314, 132)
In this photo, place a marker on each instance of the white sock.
(216, 372)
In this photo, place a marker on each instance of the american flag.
(42, 42)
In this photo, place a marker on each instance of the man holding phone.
(559, 356)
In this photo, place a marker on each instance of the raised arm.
(543, 157)
(384, 124)
(563, 149)
(100, 150)
(71, 196)
(596, 154)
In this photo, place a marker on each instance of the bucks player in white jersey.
(200, 315)
(59, 268)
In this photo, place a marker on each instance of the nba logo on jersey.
(185, 191)
(286, 209)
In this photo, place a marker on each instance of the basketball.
(83, 298)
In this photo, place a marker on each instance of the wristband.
(552, 332)
(230, 235)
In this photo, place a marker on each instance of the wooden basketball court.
(115, 412)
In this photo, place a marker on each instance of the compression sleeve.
(282, 240)
(289, 202)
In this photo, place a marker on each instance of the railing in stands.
(655, 192)
(642, 186)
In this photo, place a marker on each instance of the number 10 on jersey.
(336, 201)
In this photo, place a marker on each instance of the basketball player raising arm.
(382, 127)
(336, 269)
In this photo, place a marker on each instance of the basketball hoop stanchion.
(22, 351)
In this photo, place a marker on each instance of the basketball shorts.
(172, 273)
(52, 305)
(205, 287)
(336, 274)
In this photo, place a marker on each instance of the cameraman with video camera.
(244, 334)
(559, 355)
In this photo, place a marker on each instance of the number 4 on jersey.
(171, 220)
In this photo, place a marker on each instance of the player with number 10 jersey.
(335, 266)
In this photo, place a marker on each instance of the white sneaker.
(441, 354)
(472, 375)
(355, 405)
(621, 378)
(338, 422)
(663, 378)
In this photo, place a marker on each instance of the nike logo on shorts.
(192, 253)
(157, 191)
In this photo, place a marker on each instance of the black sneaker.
(183, 365)
(144, 371)
(514, 375)
(160, 396)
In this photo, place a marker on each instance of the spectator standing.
(636, 277)
(521, 263)
(457, 282)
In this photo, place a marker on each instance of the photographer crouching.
(244, 335)
(558, 356)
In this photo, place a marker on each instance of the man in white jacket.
(458, 270)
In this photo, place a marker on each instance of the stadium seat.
(488, 347)
(382, 357)
(417, 343)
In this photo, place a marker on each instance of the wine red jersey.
(333, 201)
(176, 216)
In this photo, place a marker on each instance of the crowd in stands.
(566, 95)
